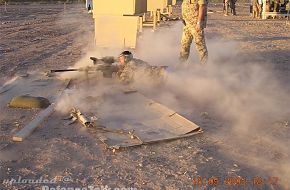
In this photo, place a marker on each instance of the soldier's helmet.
(127, 55)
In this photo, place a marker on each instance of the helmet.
(128, 56)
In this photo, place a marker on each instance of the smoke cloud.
(246, 97)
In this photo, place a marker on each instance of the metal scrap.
(77, 115)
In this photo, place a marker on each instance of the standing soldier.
(194, 17)
(288, 8)
(276, 6)
(226, 7)
(233, 7)
(260, 8)
(255, 8)
(229, 4)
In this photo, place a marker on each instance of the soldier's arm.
(201, 14)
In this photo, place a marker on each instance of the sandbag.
(29, 102)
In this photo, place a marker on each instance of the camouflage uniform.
(288, 6)
(128, 72)
(255, 8)
(226, 7)
(229, 4)
(190, 10)
(260, 9)
(276, 6)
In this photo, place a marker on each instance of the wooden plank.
(161, 109)
(28, 129)
(275, 14)
(265, 15)
(183, 122)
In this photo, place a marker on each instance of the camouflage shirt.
(138, 69)
(127, 72)
(190, 9)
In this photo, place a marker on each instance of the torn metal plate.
(150, 121)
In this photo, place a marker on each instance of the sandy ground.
(39, 37)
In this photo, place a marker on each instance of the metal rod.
(63, 70)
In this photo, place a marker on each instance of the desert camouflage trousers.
(257, 9)
(190, 34)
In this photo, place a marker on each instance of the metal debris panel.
(150, 121)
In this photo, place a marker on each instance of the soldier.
(288, 8)
(226, 7)
(260, 8)
(255, 9)
(194, 18)
(129, 67)
(233, 7)
(276, 6)
(229, 4)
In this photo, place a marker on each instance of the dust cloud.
(246, 97)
